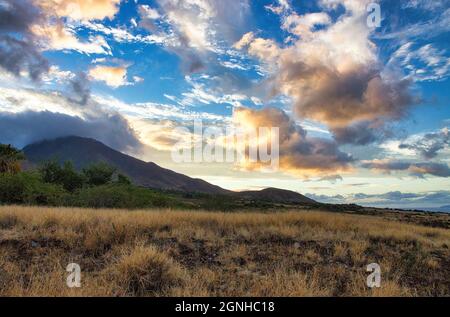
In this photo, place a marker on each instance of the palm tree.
(10, 159)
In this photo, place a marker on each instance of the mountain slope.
(84, 151)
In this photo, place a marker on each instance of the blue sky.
(365, 109)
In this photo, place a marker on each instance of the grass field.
(176, 253)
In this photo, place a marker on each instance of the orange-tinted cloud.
(81, 9)
(114, 76)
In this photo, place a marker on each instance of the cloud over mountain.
(30, 126)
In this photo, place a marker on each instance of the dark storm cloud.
(28, 127)
(17, 49)
(415, 169)
(358, 134)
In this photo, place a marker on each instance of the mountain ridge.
(85, 151)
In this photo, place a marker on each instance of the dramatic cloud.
(332, 73)
(28, 127)
(18, 52)
(114, 76)
(430, 144)
(28, 116)
(414, 169)
(299, 154)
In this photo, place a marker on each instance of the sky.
(362, 108)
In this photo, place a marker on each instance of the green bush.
(13, 189)
(44, 194)
(28, 188)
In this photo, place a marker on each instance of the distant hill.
(84, 151)
(277, 196)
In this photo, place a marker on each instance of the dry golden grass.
(173, 253)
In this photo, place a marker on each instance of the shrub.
(43, 194)
(66, 175)
(12, 189)
(105, 196)
(28, 188)
(119, 196)
(145, 271)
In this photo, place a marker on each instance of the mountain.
(84, 151)
(277, 196)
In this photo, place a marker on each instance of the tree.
(10, 159)
(52, 172)
(99, 174)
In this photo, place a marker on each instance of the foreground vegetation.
(182, 253)
(98, 186)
